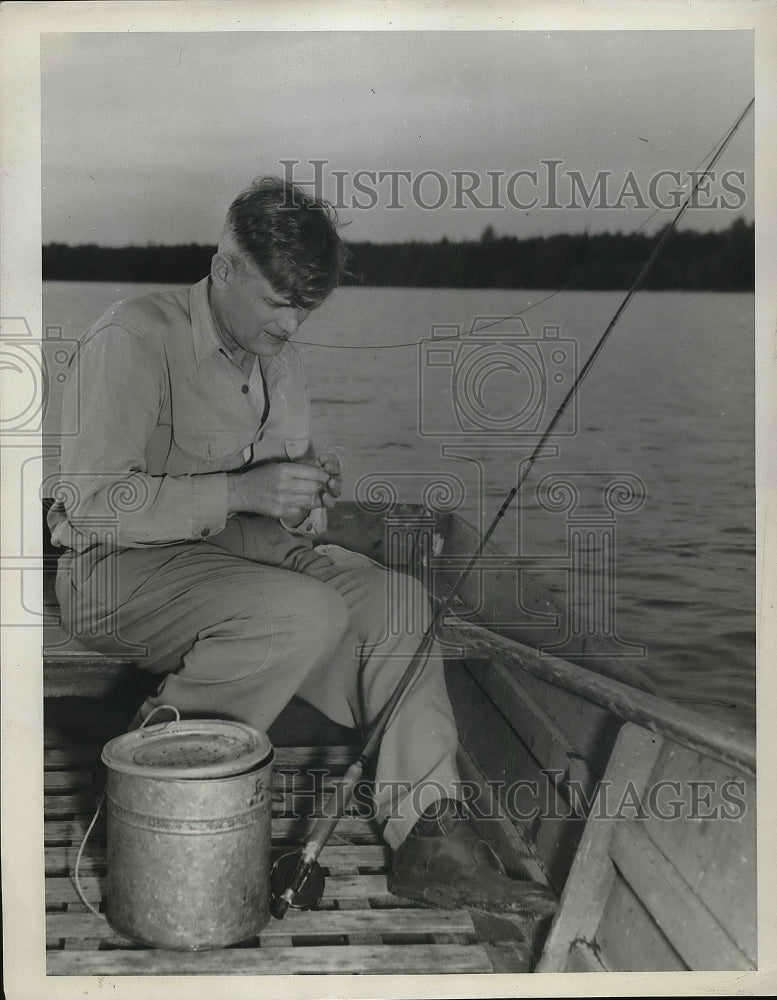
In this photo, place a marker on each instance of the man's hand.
(330, 463)
(284, 490)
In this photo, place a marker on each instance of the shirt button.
(205, 532)
(244, 389)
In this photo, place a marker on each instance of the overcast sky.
(148, 136)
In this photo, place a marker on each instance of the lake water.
(669, 404)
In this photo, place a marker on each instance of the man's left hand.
(330, 463)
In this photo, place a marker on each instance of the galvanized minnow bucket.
(189, 810)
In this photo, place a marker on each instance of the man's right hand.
(287, 490)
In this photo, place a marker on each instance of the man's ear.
(219, 270)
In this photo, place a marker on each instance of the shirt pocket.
(208, 450)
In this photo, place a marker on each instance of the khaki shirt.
(162, 413)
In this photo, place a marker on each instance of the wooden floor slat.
(335, 758)
(367, 888)
(308, 924)
(54, 781)
(323, 959)
(63, 782)
(334, 856)
(355, 830)
(84, 802)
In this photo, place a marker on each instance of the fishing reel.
(295, 883)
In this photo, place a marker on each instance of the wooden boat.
(646, 825)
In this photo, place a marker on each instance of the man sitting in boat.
(189, 500)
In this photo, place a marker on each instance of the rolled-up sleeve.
(114, 396)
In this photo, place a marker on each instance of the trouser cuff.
(405, 813)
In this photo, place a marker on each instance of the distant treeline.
(722, 261)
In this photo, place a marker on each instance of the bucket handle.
(159, 708)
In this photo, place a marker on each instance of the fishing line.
(716, 148)
(297, 875)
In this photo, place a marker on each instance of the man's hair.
(291, 237)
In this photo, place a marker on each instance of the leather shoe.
(460, 869)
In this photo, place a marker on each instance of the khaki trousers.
(234, 638)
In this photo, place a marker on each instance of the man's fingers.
(308, 473)
(330, 462)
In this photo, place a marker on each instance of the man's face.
(250, 314)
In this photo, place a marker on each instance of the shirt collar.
(205, 339)
(207, 342)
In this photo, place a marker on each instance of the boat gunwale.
(728, 742)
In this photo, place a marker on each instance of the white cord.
(76, 880)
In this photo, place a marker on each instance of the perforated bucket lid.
(195, 748)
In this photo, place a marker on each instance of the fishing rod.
(297, 880)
